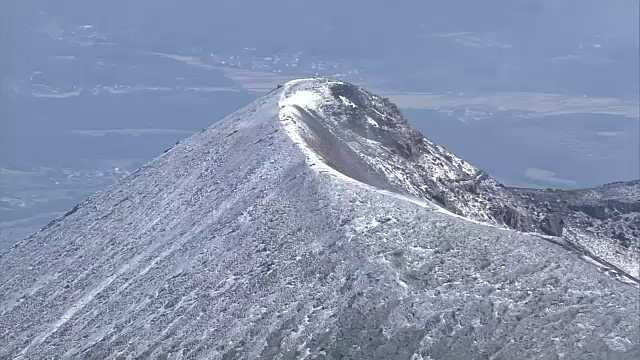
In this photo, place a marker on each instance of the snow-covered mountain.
(366, 138)
(314, 223)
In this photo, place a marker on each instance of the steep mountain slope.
(367, 139)
(301, 226)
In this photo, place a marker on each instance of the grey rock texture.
(367, 138)
(303, 227)
(604, 220)
(552, 224)
(611, 210)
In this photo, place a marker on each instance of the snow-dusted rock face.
(604, 221)
(366, 138)
(303, 226)
(360, 136)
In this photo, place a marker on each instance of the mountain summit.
(315, 223)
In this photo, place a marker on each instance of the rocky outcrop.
(552, 224)
(367, 138)
(605, 219)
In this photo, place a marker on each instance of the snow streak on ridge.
(293, 100)
(304, 103)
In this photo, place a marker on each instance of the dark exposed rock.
(607, 213)
(511, 217)
(441, 199)
(593, 210)
(552, 224)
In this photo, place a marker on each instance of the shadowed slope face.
(258, 239)
(363, 137)
(366, 138)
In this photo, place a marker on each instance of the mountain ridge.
(235, 244)
(412, 164)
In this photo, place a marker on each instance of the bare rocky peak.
(315, 224)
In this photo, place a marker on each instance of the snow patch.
(347, 101)
(372, 122)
